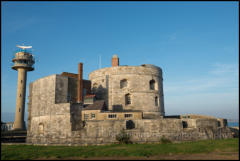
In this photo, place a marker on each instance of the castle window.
(127, 115)
(127, 99)
(152, 84)
(184, 123)
(40, 128)
(130, 124)
(156, 101)
(85, 116)
(92, 115)
(123, 83)
(112, 116)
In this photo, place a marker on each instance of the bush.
(123, 138)
(164, 140)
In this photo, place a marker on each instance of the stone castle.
(65, 109)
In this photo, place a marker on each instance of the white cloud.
(220, 77)
(220, 69)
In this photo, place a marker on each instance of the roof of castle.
(97, 105)
(90, 96)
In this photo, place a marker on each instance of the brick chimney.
(115, 61)
(80, 83)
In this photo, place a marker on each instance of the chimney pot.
(115, 60)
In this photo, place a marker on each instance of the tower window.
(152, 84)
(156, 101)
(127, 99)
(123, 83)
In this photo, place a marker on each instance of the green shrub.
(164, 140)
(123, 137)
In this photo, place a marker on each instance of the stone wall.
(48, 119)
(106, 83)
(51, 121)
(104, 132)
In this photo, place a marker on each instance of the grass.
(16, 152)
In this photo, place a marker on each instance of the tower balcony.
(23, 59)
(29, 67)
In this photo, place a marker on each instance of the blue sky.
(195, 43)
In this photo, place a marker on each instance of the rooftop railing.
(23, 57)
(23, 50)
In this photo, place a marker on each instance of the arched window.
(152, 84)
(123, 83)
(156, 101)
(130, 124)
(127, 99)
(184, 123)
(40, 128)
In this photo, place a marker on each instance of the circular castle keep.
(130, 88)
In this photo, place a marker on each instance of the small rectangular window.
(128, 115)
(184, 123)
(127, 99)
(112, 116)
(156, 101)
(85, 116)
(92, 115)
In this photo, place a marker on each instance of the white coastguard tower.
(23, 61)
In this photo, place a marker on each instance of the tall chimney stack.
(80, 83)
(115, 61)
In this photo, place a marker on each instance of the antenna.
(100, 62)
